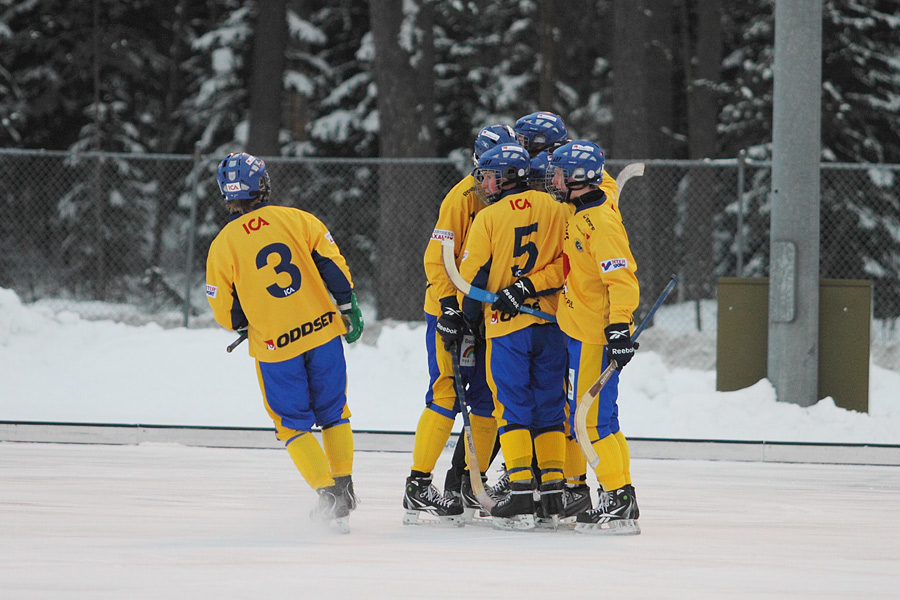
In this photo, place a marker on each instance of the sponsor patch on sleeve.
(211, 290)
(613, 264)
(442, 234)
(328, 237)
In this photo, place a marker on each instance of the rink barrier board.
(384, 441)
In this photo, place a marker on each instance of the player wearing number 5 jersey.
(276, 272)
(515, 248)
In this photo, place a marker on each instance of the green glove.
(352, 317)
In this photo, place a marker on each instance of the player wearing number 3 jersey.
(277, 272)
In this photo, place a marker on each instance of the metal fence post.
(739, 236)
(192, 236)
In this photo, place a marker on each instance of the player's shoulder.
(603, 218)
(292, 212)
(463, 192)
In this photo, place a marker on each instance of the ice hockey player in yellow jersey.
(442, 318)
(515, 249)
(276, 273)
(595, 312)
(540, 133)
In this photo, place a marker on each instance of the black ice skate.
(423, 498)
(576, 499)
(516, 510)
(344, 487)
(615, 514)
(334, 505)
(499, 490)
(637, 510)
(472, 508)
(551, 506)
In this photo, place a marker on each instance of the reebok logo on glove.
(619, 346)
(511, 298)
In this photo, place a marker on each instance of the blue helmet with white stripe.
(573, 166)
(509, 163)
(243, 177)
(540, 131)
(490, 136)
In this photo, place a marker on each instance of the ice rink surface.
(168, 521)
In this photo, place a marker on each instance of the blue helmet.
(510, 164)
(538, 171)
(581, 165)
(540, 131)
(490, 136)
(243, 177)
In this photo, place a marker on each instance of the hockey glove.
(451, 325)
(619, 346)
(353, 319)
(510, 299)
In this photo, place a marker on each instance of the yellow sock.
(610, 471)
(516, 445)
(484, 432)
(310, 460)
(550, 448)
(576, 463)
(626, 455)
(338, 442)
(432, 434)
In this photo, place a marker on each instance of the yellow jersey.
(276, 269)
(458, 210)
(519, 235)
(610, 188)
(600, 282)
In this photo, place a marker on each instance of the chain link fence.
(125, 237)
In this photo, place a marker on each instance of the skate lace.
(435, 497)
(352, 499)
(604, 501)
(500, 488)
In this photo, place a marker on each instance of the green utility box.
(845, 314)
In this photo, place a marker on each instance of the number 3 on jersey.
(284, 266)
(528, 248)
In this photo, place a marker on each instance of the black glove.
(619, 346)
(510, 299)
(451, 325)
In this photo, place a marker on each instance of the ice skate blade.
(471, 514)
(547, 522)
(411, 517)
(514, 523)
(341, 525)
(616, 527)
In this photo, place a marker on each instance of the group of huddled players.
(537, 222)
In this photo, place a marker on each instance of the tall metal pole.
(794, 264)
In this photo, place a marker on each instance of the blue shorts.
(583, 371)
(441, 394)
(527, 368)
(307, 390)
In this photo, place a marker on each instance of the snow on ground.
(58, 367)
